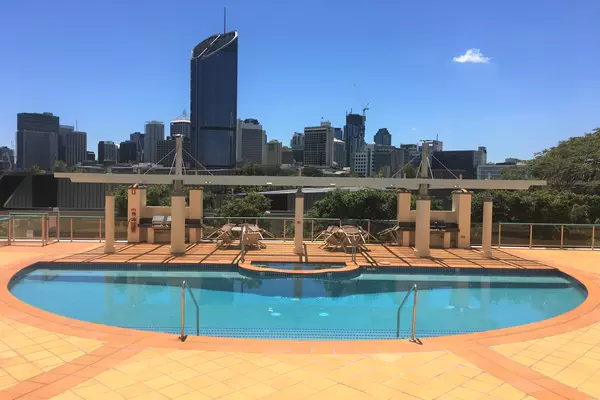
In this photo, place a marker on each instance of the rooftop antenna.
(224, 20)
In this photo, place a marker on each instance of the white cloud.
(472, 56)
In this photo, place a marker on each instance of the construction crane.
(365, 109)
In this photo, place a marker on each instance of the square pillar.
(423, 226)
(136, 200)
(486, 234)
(109, 222)
(196, 211)
(299, 223)
(461, 202)
(403, 211)
(178, 223)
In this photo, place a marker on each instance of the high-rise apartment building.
(154, 131)
(74, 147)
(107, 151)
(181, 126)
(251, 142)
(318, 145)
(387, 160)
(339, 153)
(354, 135)
(128, 152)
(338, 133)
(214, 67)
(364, 161)
(411, 153)
(62, 131)
(37, 140)
(138, 139)
(383, 137)
(90, 156)
(297, 145)
(274, 148)
(287, 156)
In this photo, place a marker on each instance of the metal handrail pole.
(530, 235)
(368, 230)
(499, 234)
(99, 229)
(71, 220)
(9, 230)
(414, 287)
(182, 337)
(562, 235)
(312, 230)
(284, 229)
(414, 320)
(593, 236)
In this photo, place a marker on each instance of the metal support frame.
(99, 229)
(499, 234)
(368, 230)
(530, 235)
(562, 235)
(183, 336)
(414, 318)
(9, 235)
(284, 229)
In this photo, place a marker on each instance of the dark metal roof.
(213, 44)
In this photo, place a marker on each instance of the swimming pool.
(226, 304)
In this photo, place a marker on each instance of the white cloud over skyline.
(472, 56)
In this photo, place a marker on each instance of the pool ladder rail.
(414, 290)
(183, 336)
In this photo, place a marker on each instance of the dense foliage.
(251, 205)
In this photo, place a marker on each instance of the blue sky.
(112, 65)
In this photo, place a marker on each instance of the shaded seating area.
(346, 237)
(247, 235)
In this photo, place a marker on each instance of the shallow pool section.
(291, 266)
(227, 304)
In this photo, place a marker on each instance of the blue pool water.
(291, 266)
(228, 304)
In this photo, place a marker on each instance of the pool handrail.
(183, 336)
(414, 319)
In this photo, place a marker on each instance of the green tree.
(311, 171)
(409, 171)
(59, 166)
(251, 205)
(35, 169)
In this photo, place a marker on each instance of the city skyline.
(494, 96)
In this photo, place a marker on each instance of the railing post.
(593, 236)
(9, 238)
(43, 229)
(414, 320)
(312, 230)
(71, 222)
(562, 235)
(47, 228)
(284, 229)
(530, 235)
(99, 229)
(368, 230)
(499, 234)
(183, 336)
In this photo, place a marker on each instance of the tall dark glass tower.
(214, 100)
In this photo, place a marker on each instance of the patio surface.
(43, 355)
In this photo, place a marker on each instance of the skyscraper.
(153, 132)
(107, 151)
(274, 148)
(354, 135)
(37, 140)
(338, 133)
(383, 137)
(318, 145)
(339, 153)
(127, 152)
(214, 66)
(74, 146)
(180, 126)
(251, 142)
(297, 145)
(63, 130)
(138, 139)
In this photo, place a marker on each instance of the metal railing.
(414, 290)
(532, 235)
(183, 336)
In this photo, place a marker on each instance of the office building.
(274, 148)
(154, 131)
(138, 139)
(165, 151)
(181, 126)
(363, 162)
(297, 145)
(354, 135)
(339, 153)
(338, 133)
(251, 142)
(318, 145)
(7, 158)
(437, 145)
(383, 137)
(481, 156)
(411, 153)
(74, 147)
(214, 74)
(37, 140)
(287, 156)
(62, 131)
(128, 152)
(464, 161)
(387, 160)
(107, 151)
(90, 156)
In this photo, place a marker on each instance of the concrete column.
(486, 234)
(299, 223)
(403, 210)
(109, 221)
(462, 206)
(196, 212)
(178, 223)
(136, 200)
(423, 224)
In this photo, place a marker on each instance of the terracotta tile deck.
(43, 355)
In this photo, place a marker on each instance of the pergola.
(423, 209)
